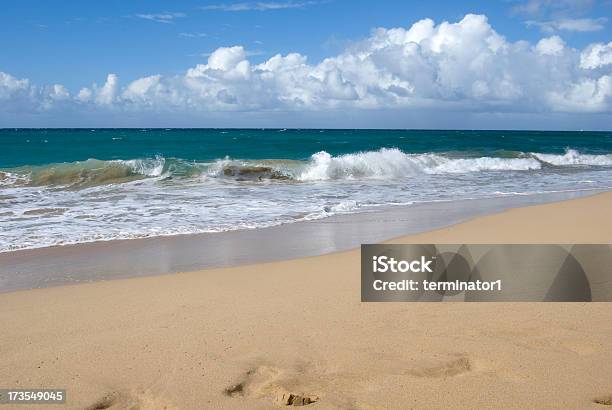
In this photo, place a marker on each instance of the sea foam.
(573, 157)
(393, 163)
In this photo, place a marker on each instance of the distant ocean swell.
(382, 164)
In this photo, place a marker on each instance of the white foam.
(10, 179)
(372, 164)
(150, 167)
(393, 163)
(573, 157)
(485, 164)
(342, 207)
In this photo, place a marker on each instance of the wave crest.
(82, 174)
(254, 170)
(393, 163)
(386, 163)
(573, 157)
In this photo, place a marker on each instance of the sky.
(527, 64)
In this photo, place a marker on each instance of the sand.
(265, 335)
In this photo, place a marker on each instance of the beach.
(294, 331)
(249, 204)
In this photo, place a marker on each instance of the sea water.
(64, 186)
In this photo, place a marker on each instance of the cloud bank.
(460, 67)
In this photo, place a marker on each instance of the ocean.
(66, 186)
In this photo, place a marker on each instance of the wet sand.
(60, 265)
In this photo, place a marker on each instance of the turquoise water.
(45, 146)
(65, 186)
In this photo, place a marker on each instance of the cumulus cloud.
(596, 55)
(463, 66)
(551, 46)
(10, 86)
(84, 95)
(107, 94)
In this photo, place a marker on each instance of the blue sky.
(73, 42)
(77, 44)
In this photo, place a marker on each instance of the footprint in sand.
(604, 400)
(290, 399)
(106, 402)
(125, 400)
(454, 367)
(263, 381)
(235, 390)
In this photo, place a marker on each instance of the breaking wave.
(386, 163)
(573, 157)
(393, 163)
(94, 172)
(82, 174)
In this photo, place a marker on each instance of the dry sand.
(244, 337)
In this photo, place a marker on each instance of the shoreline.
(119, 259)
(243, 336)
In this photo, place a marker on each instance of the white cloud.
(551, 46)
(596, 55)
(84, 95)
(58, 92)
(193, 35)
(532, 7)
(225, 58)
(582, 24)
(259, 6)
(10, 86)
(585, 95)
(244, 53)
(107, 94)
(160, 17)
(460, 67)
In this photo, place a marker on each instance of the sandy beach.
(269, 334)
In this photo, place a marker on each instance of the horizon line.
(304, 129)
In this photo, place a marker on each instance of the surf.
(381, 164)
